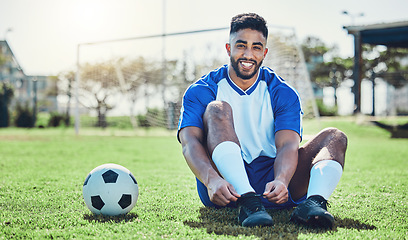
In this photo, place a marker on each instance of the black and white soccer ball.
(110, 190)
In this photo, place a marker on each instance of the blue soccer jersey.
(266, 107)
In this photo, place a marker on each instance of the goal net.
(139, 82)
(286, 58)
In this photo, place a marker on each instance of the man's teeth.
(247, 64)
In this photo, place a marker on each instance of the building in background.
(395, 83)
(30, 90)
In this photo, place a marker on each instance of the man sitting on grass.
(240, 129)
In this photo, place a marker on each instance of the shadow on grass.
(117, 219)
(224, 222)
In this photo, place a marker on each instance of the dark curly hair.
(249, 20)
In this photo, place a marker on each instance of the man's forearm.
(286, 163)
(199, 162)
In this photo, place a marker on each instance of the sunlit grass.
(42, 172)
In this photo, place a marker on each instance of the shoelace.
(313, 202)
(252, 203)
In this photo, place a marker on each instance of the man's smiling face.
(247, 50)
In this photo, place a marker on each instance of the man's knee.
(219, 124)
(218, 111)
(336, 136)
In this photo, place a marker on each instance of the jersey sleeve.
(287, 110)
(195, 101)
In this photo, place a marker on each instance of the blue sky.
(45, 33)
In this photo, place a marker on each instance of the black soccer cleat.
(313, 212)
(251, 211)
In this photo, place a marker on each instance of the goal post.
(129, 78)
(286, 58)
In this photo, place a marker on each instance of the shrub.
(55, 119)
(325, 110)
(153, 118)
(6, 93)
(142, 121)
(24, 116)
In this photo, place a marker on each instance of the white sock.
(324, 177)
(228, 159)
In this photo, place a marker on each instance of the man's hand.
(276, 192)
(221, 192)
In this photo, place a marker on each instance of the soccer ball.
(110, 190)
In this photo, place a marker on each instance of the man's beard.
(243, 75)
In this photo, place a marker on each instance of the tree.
(131, 80)
(101, 82)
(376, 59)
(332, 73)
(326, 68)
(314, 49)
(65, 82)
(134, 74)
(315, 52)
(98, 83)
(387, 63)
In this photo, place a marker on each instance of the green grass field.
(42, 173)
